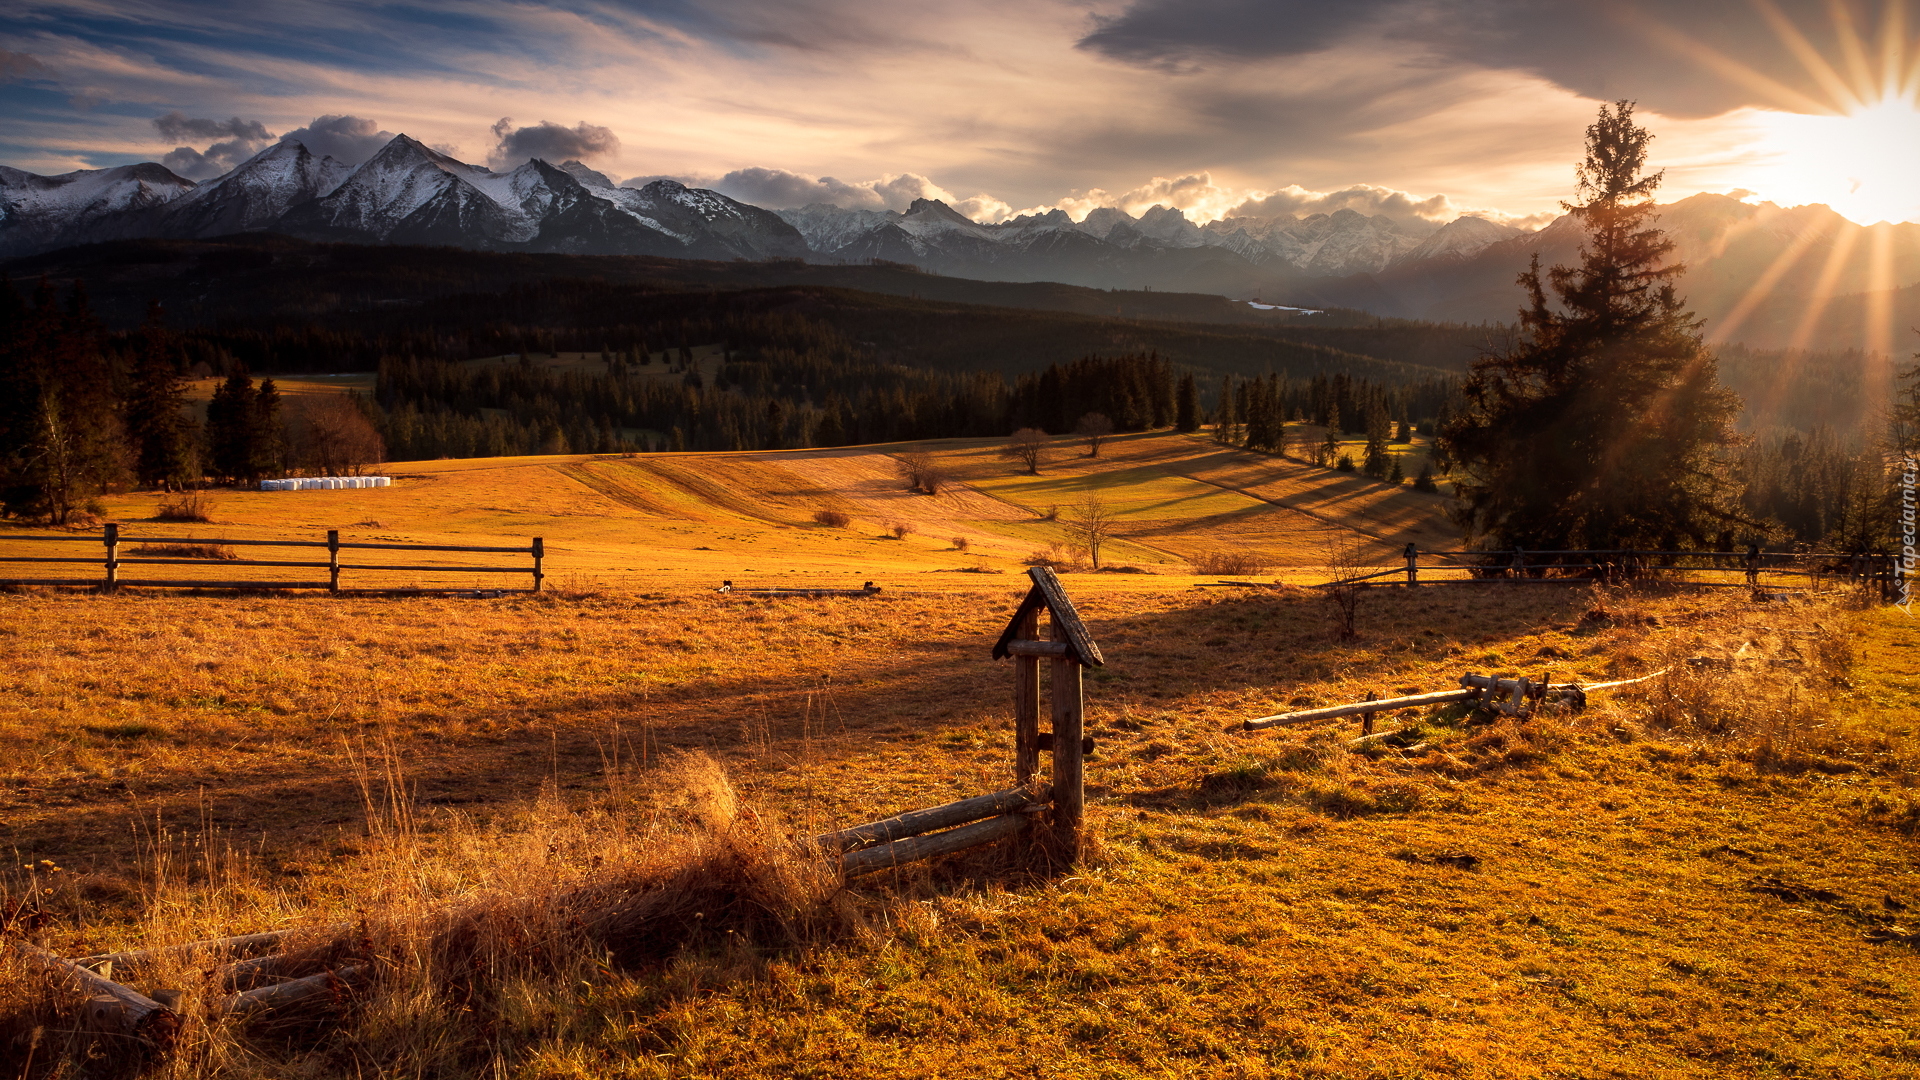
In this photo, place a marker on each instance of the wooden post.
(1413, 567)
(113, 556)
(1069, 761)
(333, 560)
(539, 553)
(1026, 704)
(1753, 564)
(1366, 718)
(1519, 561)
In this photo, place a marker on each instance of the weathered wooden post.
(1753, 565)
(333, 560)
(539, 553)
(1413, 566)
(1366, 718)
(1070, 648)
(112, 540)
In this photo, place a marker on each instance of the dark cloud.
(19, 66)
(237, 140)
(550, 142)
(780, 188)
(352, 139)
(179, 126)
(1655, 53)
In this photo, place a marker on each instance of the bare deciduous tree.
(331, 436)
(1091, 523)
(1344, 563)
(920, 471)
(1028, 446)
(1095, 428)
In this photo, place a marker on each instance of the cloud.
(781, 189)
(19, 67)
(1700, 58)
(351, 139)
(549, 142)
(238, 140)
(1296, 201)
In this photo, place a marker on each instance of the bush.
(184, 551)
(1229, 562)
(959, 543)
(832, 517)
(900, 530)
(186, 506)
(1346, 463)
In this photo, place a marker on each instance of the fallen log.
(916, 822)
(1331, 712)
(916, 848)
(327, 984)
(112, 1006)
(241, 945)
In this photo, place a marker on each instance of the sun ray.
(1779, 93)
(1893, 31)
(1853, 50)
(1762, 288)
(1822, 293)
(1843, 98)
(1880, 286)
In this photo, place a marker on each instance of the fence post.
(1519, 560)
(333, 560)
(539, 553)
(1069, 760)
(1026, 704)
(112, 540)
(1413, 567)
(1753, 565)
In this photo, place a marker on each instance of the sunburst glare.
(1864, 164)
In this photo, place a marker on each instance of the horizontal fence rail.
(111, 561)
(1877, 572)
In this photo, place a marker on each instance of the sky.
(1415, 108)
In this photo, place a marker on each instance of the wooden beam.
(1069, 762)
(327, 985)
(1026, 703)
(1039, 648)
(1334, 711)
(916, 822)
(916, 848)
(1061, 611)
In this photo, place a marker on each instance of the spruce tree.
(1186, 410)
(1601, 427)
(230, 426)
(160, 433)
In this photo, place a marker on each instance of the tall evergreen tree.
(1186, 409)
(230, 427)
(266, 445)
(1602, 426)
(160, 433)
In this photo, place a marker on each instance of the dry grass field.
(1708, 874)
(683, 520)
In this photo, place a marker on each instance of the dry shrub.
(899, 530)
(184, 551)
(960, 543)
(186, 506)
(832, 517)
(473, 939)
(1229, 563)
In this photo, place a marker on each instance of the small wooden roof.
(1047, 593)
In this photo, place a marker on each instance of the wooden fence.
(1753, 568)
(203, 549)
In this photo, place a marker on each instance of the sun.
(1865, 164)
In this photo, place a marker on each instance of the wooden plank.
(57, 539)
(51, 559)
(1069, 761)
(434, 547)
(916, 822)
(1061, 611)
(1039, 648)
(160, 584)
(124, 561)
(221, 542)
(1026, 703)
(1332, 712)
(916, 848)
(424, 569)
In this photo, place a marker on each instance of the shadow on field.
(882, 724)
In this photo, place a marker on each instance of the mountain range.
(1746, 262)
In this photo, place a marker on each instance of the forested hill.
(264, 280)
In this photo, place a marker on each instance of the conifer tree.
(160, 433)
(230, 427)
(1186, 410)
(1602, 426)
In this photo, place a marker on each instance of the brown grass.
(1265, 903)
(1228, 564)
(184, 551)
